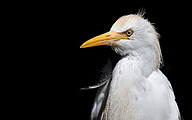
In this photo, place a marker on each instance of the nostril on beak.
(108, 35)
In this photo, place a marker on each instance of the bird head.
(130, 34)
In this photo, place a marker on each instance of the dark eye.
(129, 32)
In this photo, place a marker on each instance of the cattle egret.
(135, 89)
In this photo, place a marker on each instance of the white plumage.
(135, 89)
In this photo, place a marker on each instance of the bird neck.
(132, 70)
(140, 60)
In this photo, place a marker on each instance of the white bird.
(135, 89)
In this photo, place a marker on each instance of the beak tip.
(81, 46)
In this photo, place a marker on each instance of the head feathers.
(144, 31)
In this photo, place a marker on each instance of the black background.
(69, 68)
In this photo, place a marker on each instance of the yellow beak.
(108, 38)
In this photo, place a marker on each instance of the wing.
(161, 88)
(102, 93)
(100, 101)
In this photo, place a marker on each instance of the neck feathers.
(158, 58)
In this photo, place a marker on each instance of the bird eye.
(129, 32)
